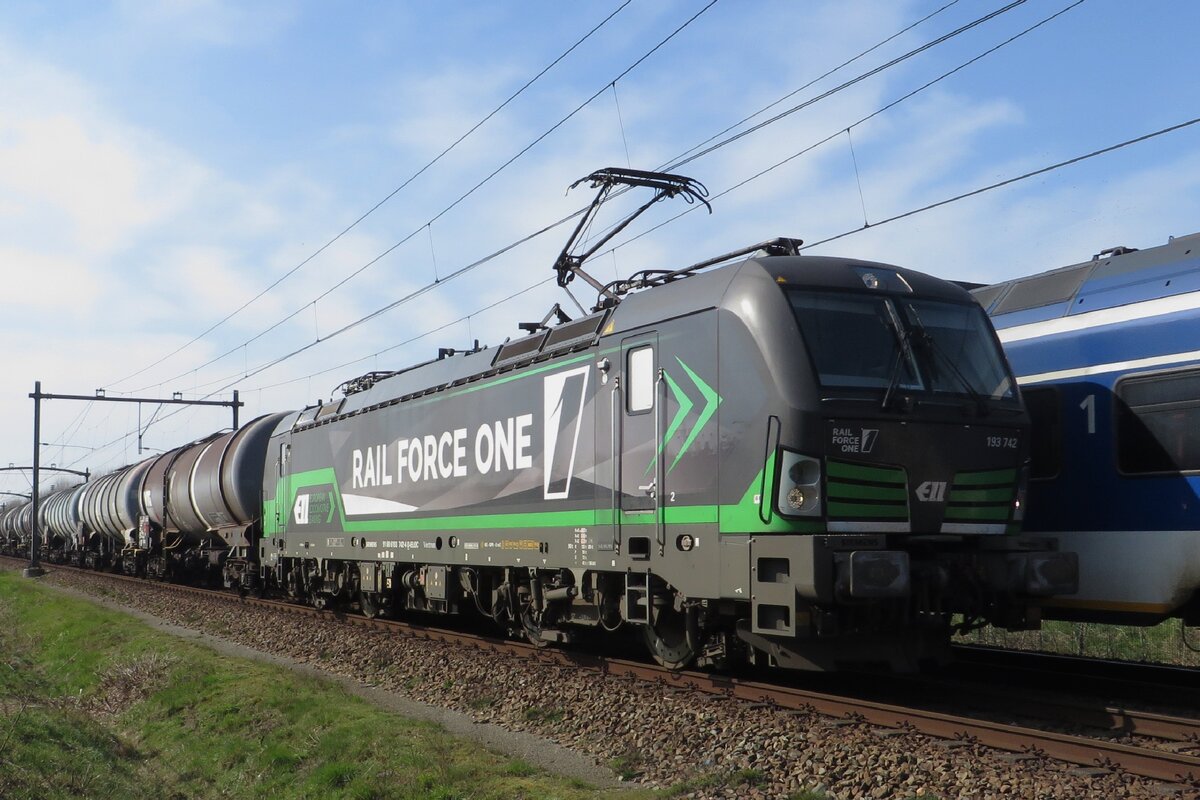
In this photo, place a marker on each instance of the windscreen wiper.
(903, 354)
(926, 339)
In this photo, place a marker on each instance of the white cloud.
(204, 22)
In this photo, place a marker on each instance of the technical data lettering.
(584, 548)
(501, 446)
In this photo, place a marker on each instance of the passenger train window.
(1158, 422)
(641, 379)
(1045, 438)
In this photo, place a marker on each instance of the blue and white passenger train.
(1107, 353)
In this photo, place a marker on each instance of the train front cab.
(897, 447)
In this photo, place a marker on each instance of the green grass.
(96, 704)
(628, 765)
(1160, 643)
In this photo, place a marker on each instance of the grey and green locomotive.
(804, 460)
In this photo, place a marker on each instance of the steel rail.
(1016, 702)
(1163, 765)
(1160, 683)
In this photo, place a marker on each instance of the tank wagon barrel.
(154, 488)
(25, 521)
(98, 509)
(62, 517)
(11, 532)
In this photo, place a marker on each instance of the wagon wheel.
(667, 640)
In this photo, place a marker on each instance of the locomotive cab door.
(639, 476)
(283, 494)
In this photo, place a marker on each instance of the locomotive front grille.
(985, 496)
(860, 497)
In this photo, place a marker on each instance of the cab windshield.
(897, 343)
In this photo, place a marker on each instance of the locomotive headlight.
(799, 490)
(796, 498)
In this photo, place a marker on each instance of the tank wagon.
(1105, 352)
(191, 513)
(12, 534)
(817, 460)
(60, 536)
(201, 505)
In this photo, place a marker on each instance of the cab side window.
(640, 371)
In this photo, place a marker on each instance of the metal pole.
(34, 569)
(235, 409)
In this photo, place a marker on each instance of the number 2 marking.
(1089, 405)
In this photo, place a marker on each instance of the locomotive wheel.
(667, 640)
(532, 628)
(366, 602)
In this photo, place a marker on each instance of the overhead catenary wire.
(404, 184)
(466, 317)
(1009, 181)
(846, 84)
(956, 198)
(813, 82)
(881, 110)
(478, 185)
(699, 150)
(263, 367)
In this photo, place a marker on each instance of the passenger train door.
(639, 491)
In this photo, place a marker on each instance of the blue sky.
(163, 162)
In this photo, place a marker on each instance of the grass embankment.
(95, 704)
(1161, 644)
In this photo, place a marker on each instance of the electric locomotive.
(814, 461)
(1105, 352)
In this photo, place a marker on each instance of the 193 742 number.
(1002, 442)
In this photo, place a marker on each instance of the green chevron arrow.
(711, 401)
(685, 406)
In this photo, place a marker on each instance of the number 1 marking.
(1089, 405)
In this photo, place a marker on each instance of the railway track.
(1173, 756)
(1160, 684)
